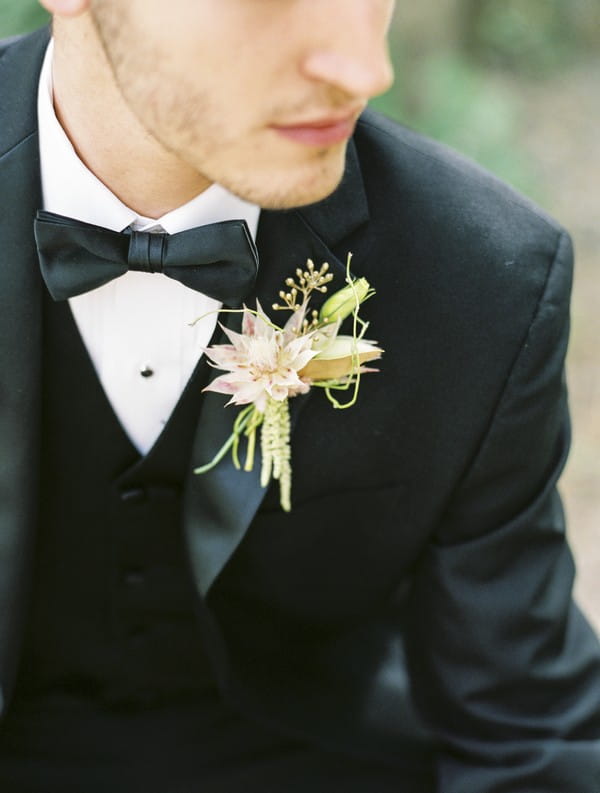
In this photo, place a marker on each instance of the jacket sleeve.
(506, 669)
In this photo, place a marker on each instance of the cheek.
(249, 57)
(240, 89)
(233, 57)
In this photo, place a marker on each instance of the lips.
(319, 132)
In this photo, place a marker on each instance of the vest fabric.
(115, 692)
(112, 616)
(113, 666)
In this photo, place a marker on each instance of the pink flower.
(262, 361)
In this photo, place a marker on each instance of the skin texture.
(191, 92)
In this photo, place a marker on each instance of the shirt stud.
(146, 371)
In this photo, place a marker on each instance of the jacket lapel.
(20, 331)
(221, 503)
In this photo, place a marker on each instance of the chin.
(292, 199)
(290, 189)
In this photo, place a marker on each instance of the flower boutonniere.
(267, 364)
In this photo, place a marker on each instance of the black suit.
(426, 533)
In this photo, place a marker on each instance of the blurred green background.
(17, 16)
(515, 85)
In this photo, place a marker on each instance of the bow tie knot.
(220, 259)
(147, 251)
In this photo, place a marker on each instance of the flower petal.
(347, 345)
(334, 368)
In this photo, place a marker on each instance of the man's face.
(258, 95)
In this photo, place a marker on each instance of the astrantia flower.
(262, 361)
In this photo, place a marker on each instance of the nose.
(352, 51)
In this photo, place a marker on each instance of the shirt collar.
(69, 188)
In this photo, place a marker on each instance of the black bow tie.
(220, 260)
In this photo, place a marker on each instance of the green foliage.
(20, 16)
(447, 96)
(534, 36)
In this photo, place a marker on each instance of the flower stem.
(249, 464)
(238, 427)
(256, 419)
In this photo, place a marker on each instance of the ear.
(65, 8)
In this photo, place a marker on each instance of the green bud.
(342, 303)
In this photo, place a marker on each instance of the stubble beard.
(183, 122)
(289, 188)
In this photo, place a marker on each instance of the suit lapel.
(221, 503)
(20, 331)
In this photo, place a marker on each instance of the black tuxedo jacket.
(416, 601)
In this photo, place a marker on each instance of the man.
(408, 625)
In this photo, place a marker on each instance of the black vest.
(112, 614)
(115, 691)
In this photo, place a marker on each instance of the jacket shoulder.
(478, 243)
(6, 43)
(429, 176)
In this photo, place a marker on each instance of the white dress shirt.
(137, 327)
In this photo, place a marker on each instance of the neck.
(105, 133)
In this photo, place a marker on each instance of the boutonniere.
(268, 364)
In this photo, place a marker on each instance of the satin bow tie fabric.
(220, 260)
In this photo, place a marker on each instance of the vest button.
(133, 495)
